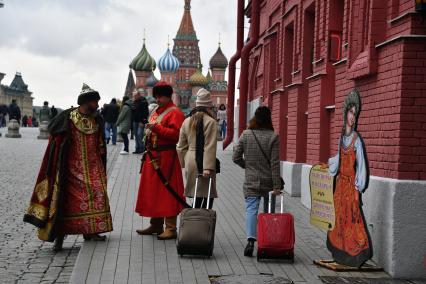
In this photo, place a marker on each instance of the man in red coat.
(161, 186)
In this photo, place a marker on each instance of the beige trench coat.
(186, 153)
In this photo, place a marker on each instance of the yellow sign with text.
(322, 205)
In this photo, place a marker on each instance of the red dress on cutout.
(348, 241)
(153, 198)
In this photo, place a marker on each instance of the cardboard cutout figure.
(349, 240)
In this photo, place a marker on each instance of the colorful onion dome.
(143, 61)
(218, 61)
(198, 79)
(168, 62)
(151, 81)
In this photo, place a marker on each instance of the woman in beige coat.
(197, 149)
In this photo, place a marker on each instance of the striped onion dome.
(168, 62)
(198, 79)
(151, 81)
(143, 61)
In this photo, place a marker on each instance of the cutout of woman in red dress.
(349, 241)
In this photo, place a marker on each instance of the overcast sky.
(59, 44)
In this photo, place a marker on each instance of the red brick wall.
(386, 66)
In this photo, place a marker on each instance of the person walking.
(70, 195)
(221, 117)
(14, 112)
(110, 114)
(124, 122)
(262, 175)
(161, 189)
(140, 114)
(197, 148)
(25, 121)
(44, 113)
(53, 112)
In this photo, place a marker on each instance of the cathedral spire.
(186, 30)
(187, 4)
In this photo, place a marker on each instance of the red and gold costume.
(70, 196)
(348, 241)
(153, 199)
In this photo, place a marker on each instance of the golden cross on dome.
(144, 35)
(220, 40)
(168, 41)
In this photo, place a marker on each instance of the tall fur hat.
(87, 94)
(162, 89)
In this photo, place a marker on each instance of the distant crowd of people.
(13, 111)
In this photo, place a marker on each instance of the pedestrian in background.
(45, 113)
(25, 121)
(197, 148)
(261, 175)
(124, 122)
(110, 114)
(53, 112)
(221, 117)
(14, 112)
(140, 114)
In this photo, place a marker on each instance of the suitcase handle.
(270, 202)
(195, 191)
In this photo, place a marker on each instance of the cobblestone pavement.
(23, 258)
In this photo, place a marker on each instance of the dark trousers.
(125, 141)
(201, 202)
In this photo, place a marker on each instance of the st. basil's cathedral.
(181, 68)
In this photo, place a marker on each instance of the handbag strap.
(260, 147)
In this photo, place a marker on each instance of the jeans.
(125, 141)
(252, 208)
(108, 128)
(139, 133)
(223, 130)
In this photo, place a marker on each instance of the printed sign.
(322, 207)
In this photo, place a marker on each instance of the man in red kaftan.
(161, 198)
(70, 196)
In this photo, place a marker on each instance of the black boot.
(248, 251)
(59, 241)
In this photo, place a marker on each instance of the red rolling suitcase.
(276, 234)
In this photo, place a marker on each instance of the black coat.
(140, 111)
(110, 113)
(14, 112)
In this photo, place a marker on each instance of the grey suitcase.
(196, 229)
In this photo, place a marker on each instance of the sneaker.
(124, 152)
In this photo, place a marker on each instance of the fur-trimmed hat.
(162, 89)
(87, 94)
